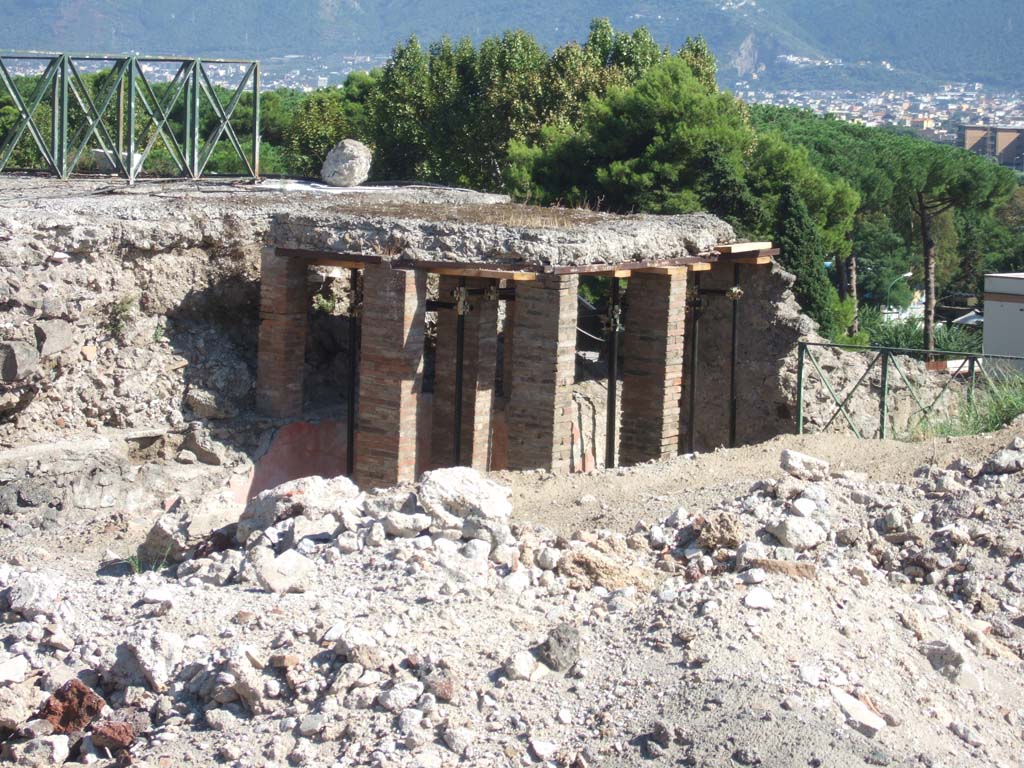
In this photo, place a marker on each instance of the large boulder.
(179, 531)
(313, 497)
(459, 498)
(17, 360)
(347, 165)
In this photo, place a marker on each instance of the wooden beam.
(328, 258)
(669, 270)
(703, 266)
(339, 262)
(597, 269)
(491, 274)
(758, 260)
(731, 248)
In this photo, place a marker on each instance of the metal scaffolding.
(114, 118)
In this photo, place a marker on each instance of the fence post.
(801, 348)
(970, 372)
(130, 128)
(62, 146)
(256, 119)
(883, 408)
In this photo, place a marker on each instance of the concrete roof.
(410, 222)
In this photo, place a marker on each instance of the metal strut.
(614, 326)
(461, 308)
(353, 362)
(734, 295)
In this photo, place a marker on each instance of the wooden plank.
(731, 248)
(704, 266)
(622, 273)
(758, 260)
(597, 269)
(491, 274)
(667, 270)
(331, 256)
(326, 262)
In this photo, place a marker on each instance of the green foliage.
(844, 314)
(318, 125)
(118, 314)
(882, 258)
(908, 333)
(325, 303)
(701, 61)
(802, 254)
(993, 405)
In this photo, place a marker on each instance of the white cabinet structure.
(1004, 314)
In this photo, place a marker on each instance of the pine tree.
(802, 254)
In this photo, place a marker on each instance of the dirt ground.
(620, 498)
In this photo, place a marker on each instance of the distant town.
(969, 115)
(987, 121)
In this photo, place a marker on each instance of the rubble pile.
(815, 619)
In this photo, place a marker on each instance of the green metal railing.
(127, 118)
(968, 368)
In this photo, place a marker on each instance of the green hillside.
(923, 39)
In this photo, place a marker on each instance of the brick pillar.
(652, 382)
(282, 335)
(544, 365)
(480, 348)
(390, 375)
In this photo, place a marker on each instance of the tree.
(319, 124)
(802, 253)
(701, 61)
(653, 147)
(932, 179)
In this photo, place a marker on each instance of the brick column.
(282, 335)
(652, 383)
(480, 348)
(544, 365)
(390, 375)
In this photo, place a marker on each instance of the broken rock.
(804, 467)
(562, 648)
(72, 707)
(798, 533)
(288, 572)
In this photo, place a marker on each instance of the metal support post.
(970, 373)
(130, 131)
(62, 143)
(461, 307)
(737, 293)
(612, 343)
(353, 363)
(883, 408)
(256, 119)
(801, 351)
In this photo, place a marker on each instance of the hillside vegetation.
(924, 39)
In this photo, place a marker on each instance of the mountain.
(923, 40)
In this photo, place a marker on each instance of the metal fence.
(125, 118)
(975, 372)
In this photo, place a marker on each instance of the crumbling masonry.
(508, 275)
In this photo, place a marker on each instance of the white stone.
(804, 507)
(542, 749)
(288, 572)
(547, 558)
(803, 466)
(520, 666)
(858, 714)
(798, 533)
(400, 696)
(14, 670)
(753, 576)
(347, 165)
(760, 599)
